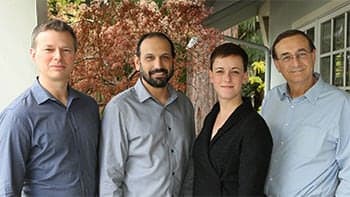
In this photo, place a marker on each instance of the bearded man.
(148, 130)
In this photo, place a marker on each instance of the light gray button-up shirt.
(311, 142)
(145, 146)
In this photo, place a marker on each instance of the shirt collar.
(312, 94)
(41, 95)
(143, 94)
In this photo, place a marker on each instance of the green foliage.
(55, 6)
(159, 2)
(254, 89)
(249, 31)
(67, 10)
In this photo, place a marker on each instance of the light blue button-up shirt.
(47, 149)
(311, 136)
(145, 146)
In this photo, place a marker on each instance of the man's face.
(155, 62)
(54, 55)
(295, 60)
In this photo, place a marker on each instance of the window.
(331, 35)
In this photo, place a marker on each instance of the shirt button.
(169, 128)
(173, 173)
(292, 106)
(172, 150)
(270, 179)
(282, 142)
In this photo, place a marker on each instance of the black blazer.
(235, 162)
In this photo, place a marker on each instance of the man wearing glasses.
(310, 125)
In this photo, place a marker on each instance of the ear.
(211, 76)
(137, 63)
(313, 56)
(32, 53)
(277, 65)
(245, 77)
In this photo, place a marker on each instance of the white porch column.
(18, 18)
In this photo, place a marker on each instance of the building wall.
(283, 15)
(18, 17)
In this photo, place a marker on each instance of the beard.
(157, 82)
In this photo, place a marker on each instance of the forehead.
(228, 61)
(155, 45)
(53, 37)
(292, 44)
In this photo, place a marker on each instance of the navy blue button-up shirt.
(46, 148)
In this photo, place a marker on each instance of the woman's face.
(228, 76)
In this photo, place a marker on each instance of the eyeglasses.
(300, 55)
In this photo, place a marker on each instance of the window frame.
(316, 24)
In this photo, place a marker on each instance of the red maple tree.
(108, 33)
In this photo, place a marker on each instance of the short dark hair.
(228, 49)
(151, 35)
(289, 33)
(56, 25)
